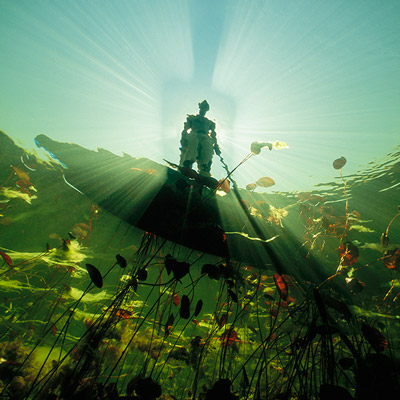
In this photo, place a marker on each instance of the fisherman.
(199, 141)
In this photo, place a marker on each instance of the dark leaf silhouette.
(212, 271)
(142, 274)
(121, 261)
(374, 337)
(198, 308)
(184, 312)
(95, 275)
(179, 269)
(233, 296)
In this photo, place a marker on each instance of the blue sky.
(323, 76)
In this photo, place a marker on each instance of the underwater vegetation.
(93, 307)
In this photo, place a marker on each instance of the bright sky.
(321, 75)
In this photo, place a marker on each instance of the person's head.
(203, 107)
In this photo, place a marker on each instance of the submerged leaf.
(374, 337)
(6, 258)
(391, 259)
(339, 163)
(348, 254)
(184, 312)
(232, 295)
(198, 308)
(338, 305)
(179, 269)
(281, 286)
(142, 274)
(168, 324)
(121, 261)
(176, 299)
(95, 275)
(354, 285)
(212, 271)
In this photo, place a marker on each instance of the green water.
(330, 331)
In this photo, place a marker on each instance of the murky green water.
(76, 322)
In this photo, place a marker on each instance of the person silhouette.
(199, 141)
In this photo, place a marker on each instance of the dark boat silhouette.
(163, 201)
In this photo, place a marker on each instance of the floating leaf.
(265, 181)
(121, 261)
(142, 274)
(184, 312)
(374, 337)
(6, 258)
(339, 163)
(251, 186)
(95, 275)
(348, 254)
(198, 308)
(233, 296)
(281, 286)
(256, 147)
(224, 185)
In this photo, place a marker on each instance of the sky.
(321, 75)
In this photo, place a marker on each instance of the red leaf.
(391, 259)
(176, 300)
(6, 258)
(281, 286)
(348, 254)
(54, 329)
